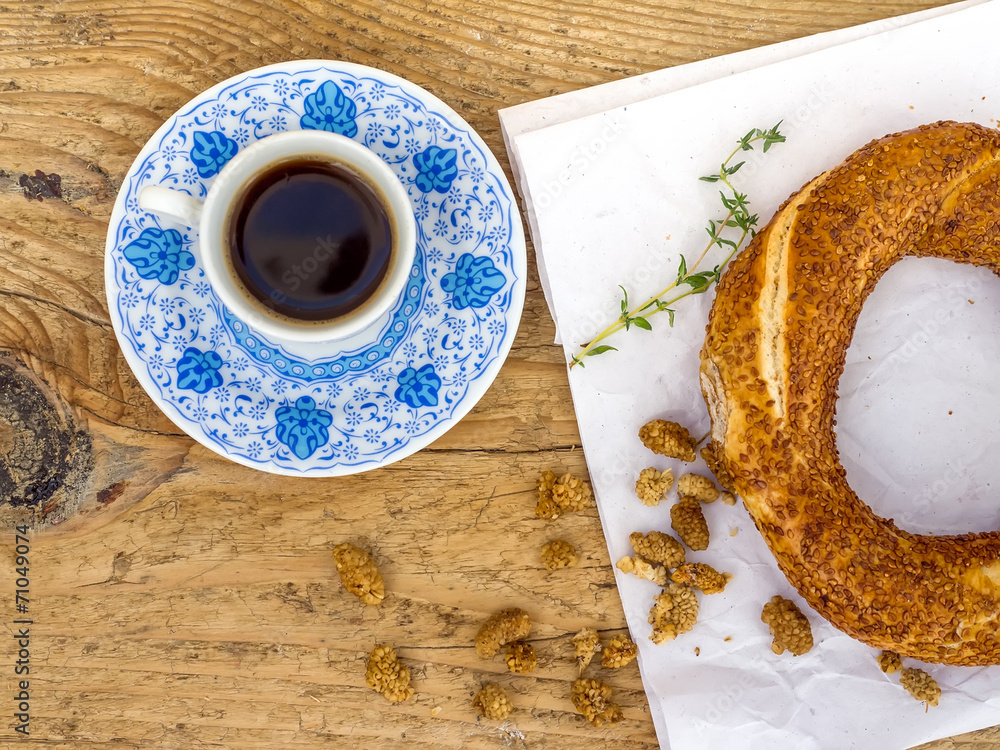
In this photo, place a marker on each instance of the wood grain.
(183, 601)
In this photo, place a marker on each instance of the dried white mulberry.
(546, 507)
(675, 611)
(668, 439)
(572, 493)
(619, 652)
(701, 577)
(657, 547)
(387, 675)
(492, 702)
(921, 686)
(643, 569)
(359, 574)
(688, 520)
(710, 453)
(500, 629)
(889, 662)
(592, 698)
(586, 643)
(558, 554)
(788, 625)
(521, 657)
(697, 486)
(652, 485)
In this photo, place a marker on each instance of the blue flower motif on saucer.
(345, 406)
(436, 169)
(211, 151)
(418, 387)
(158, 254)
(303, 427)
(474, 282)
(329, 109)
(198, 371)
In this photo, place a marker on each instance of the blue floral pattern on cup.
(303, 427)
(328, 109)
(473, 282)
(198, 371)
(436, 169)
(321, 411)
(211, 151)
(158, 254)
(418, 387)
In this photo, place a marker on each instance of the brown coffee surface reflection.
(310, 240)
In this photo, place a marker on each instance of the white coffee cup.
(212, 218)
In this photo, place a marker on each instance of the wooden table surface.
(187, 602)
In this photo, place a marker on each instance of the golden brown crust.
(777, 337)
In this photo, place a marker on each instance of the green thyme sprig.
(738, 222)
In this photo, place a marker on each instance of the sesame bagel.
(777, 338)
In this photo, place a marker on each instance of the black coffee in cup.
(310, 240)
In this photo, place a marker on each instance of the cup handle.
(171, 203)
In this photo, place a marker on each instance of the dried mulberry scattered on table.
(359, 574)
(592, 698)
(521, 657)
(558, 554)
(619, 652)
(492, 702)
(500, 629)
(385, 674)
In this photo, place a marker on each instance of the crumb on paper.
(734, 531)
(668, 439)
(889, 662)
(674, 611)
(385, 674)
(688, 520)
(592, 698)
(359, 574)
(521, 657)
(921, 686)
(586, 643)
(436, 710)
(657, 547)
(492, 702)
(697, 651)
(652, 485)
(697, 486)
(727, 639)
(500, 629)
(701, 577)
(728, 498)
(788, 625)
(619, 652)
(558, 553)
(643, 569)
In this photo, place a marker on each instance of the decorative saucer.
(346, 406)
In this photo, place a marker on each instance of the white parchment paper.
(919, 401)
(555, 110)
